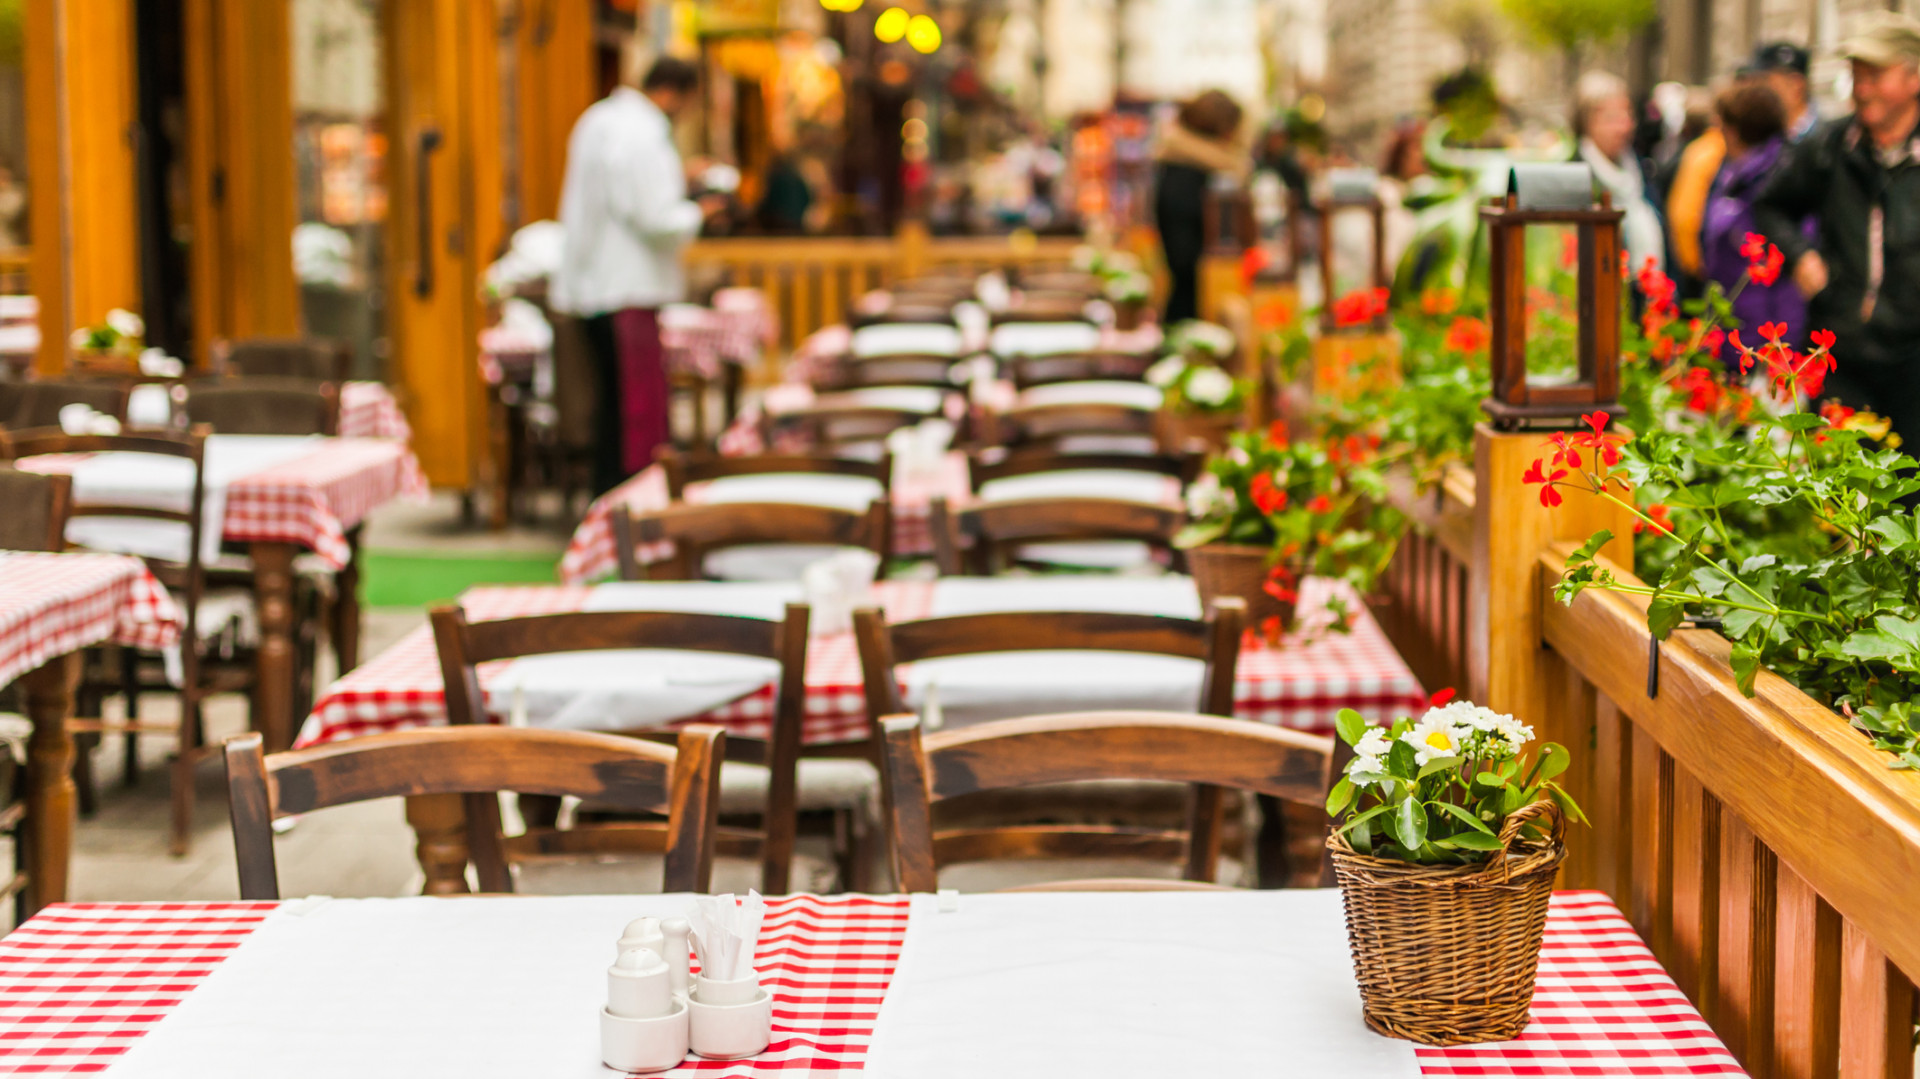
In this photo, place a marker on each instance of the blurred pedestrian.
(1686, 202)
(1202, 143)
(1753, 122)
(1861, 178)
(626, 216)
(1784, 65)
(787, 198)
(1603, 120)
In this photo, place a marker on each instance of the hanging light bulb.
(923, 33)
(891, 26)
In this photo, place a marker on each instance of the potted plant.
(1450, 833)
(1200, 403)
(1127, 292)
(1266, 513)
(112, 344)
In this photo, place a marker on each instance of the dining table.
(278, 496)
(894, 986)
(369, 410)
(52, 606)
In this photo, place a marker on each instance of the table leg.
(274, 665)
(346, 608)
(48, 837)
(499, 461)
(440, 833)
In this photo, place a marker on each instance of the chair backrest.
(904, 369)
(695, 529)
(910, 308)
(37, 402)
(479, 762)
(185, 579)
(684, 468)
(1042, 425)
(993, 465)
(1076, 282)
(37, 508)
(824, 428)
(464, 646)
(1210, 752)
(269, 406)
(987, 531)
(1044, 307)
(1029, 371)
(1213, 639)
(312, 358)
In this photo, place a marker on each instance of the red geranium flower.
(1822, 339)
(1438, 301)
(1538, 474)
(1277, 433)
(1359, 307)
(1661, 522)
(1267, 498)
(1714, 339)
(1319, 504)
(1441, 697)
(1468, 335)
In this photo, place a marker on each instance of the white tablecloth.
(156, 482)
(1119, 984)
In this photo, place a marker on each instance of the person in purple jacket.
(1753, 121)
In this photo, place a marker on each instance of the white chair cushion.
(765, 561)
(822, 782)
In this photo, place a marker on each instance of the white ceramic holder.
(644, 1027)
(729, 1019)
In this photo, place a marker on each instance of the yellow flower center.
(1438, 740)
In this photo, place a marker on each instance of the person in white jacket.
(627, 219)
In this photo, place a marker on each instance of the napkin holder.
(729, 1019)
(836, 585)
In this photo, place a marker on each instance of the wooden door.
(446, 218)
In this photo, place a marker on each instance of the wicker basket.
(1447, 954)
(1237, 569)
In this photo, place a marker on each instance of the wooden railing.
(1425, 587)
(1764, 849)
(812, 282)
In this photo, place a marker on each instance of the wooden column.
(554, 84)
(446, 220)
(1510, 529)
(84, 220)
(240, 169)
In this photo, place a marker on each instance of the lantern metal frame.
(1539, 195)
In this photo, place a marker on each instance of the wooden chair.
(909, 308)
(1030, 371)
(1044, 307)
(210, 617)
(37, 509)
(1207, 751)
(700, 529)
(1215, 640)
(840, 430)
(312, 359)
(770, 794)
(478, 763)
(1060, 426)
(985, 537)
(267, 406)
(37, 402)
(902, 369)
(683, 469)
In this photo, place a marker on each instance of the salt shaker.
(675, 931)
(644, 1026)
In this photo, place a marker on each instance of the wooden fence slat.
(1806, 988)
(1651, 906)
(1876, 1011)
(1611, 809)
(1743, 1001)
(1696, 885)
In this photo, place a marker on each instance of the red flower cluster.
(1252, 261)
(1789, 371)
(1319, 504)
(1703, 390)
(1661, 309)
(1282, 584)
(1764, 260)
(1661, 522)
(1567, 449)
(1359, 307)
(1354, 449)
(1468, 335)
(1267, 497)
(1439, 301)
(1277, 433)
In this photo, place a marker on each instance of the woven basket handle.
(1519, 818)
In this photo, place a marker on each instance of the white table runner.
(1129, 984)
(154, 482)
(624, 689)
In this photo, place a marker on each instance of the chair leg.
(857, 874)
(185, 755)
(89, 791)
(130, 743)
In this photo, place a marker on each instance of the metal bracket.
(1653, 650)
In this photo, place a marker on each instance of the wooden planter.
(1199, 432)
(1240, 570)
(1446, 955)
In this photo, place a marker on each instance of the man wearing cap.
(1784, 65)
(1861, 179)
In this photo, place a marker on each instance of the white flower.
(1207, 498)
(1209, 386)
(1505, 735)
(1085, 258)
(1167, 372)
(80, 338)
(1368, 764)
(1208, 337)
(1239, 456)
(1436, 735)
(126, 323)
(1126, 287)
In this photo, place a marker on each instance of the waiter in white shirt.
(627, 218)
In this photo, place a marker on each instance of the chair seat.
(822, 783)
(224, 610)
(765, 561)
(1088, 554)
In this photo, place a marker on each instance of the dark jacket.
(1179, 210)
(1834, 175)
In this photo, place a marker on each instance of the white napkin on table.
(1120, 984)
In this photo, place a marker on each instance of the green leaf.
(1360, 820)
(1735, 623)
(1400, 761)
(1568, 807)
(1465, 816)
(1200, 533)
(1351, 725)
(1361, 837)
(1410, 824)
(1757, 562)
(1340, 797)
(1663, 616)
(1437, 764)
(1904, 630)
(1553, 760)
(1873, 644)
(1474, 841)
(1746, 666)
(1590, 548)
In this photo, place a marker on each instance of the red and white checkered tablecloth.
(53, 604)
(80, 983)
(747, 324)
(591, 554)
(368, 410)
(692, 337)
(311, 500)
(1295, 685)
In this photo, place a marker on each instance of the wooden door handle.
(428, 141)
